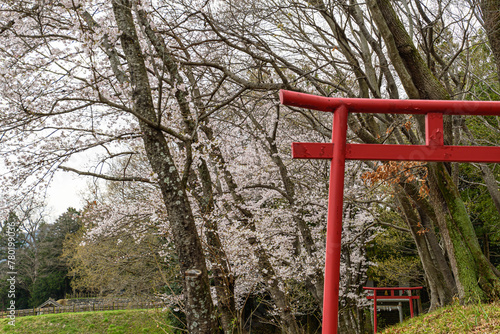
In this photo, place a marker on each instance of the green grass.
(104, 322)
(476, 318)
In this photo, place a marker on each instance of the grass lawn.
(105, 322)
(476, 318)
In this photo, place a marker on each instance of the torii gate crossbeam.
(338, 151)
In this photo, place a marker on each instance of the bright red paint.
(374, 297)
(333, 229)
(339, 151)
(382, 106)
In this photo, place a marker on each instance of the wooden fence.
(78, 295)
(83, 308)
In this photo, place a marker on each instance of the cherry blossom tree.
(378, 49)
(178, 101)
(74, 82)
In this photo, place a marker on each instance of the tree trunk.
(223, 278)
(476, 277)
(468, 262)
(427, 85)
(200, 313)
(491, 17)
(344, 46)
(491, 185)
(288, 321)
(437, 271)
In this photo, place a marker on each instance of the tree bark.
(427, 85)
(491, 185)
(200, 313)
(467, 261)
(396, 60)
(491, 17)
(288, 321)
(439, 276)
(223, 278)
(476, 277)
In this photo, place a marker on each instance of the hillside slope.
(477, 318)
(105, 322)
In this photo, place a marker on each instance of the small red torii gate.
(392, 297)
(338, 151)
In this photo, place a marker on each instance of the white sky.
(67, 189)
(64, 192)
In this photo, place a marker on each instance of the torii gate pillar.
(338, 151)
(334, 220)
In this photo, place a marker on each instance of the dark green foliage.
(54, 285)
(482, 211)
(395, 255)
(41, 271)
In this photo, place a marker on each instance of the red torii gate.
(338, 151)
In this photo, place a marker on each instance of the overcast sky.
(65, 191)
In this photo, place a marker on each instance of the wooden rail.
(83, 308)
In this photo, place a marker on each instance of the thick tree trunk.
(223, 278)
(476, 277)
(198, 302)
(425, 82)
(491, 16)
(396, 60)
(468, 262)
(350, 321)
(439, 276)
(438, 266)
